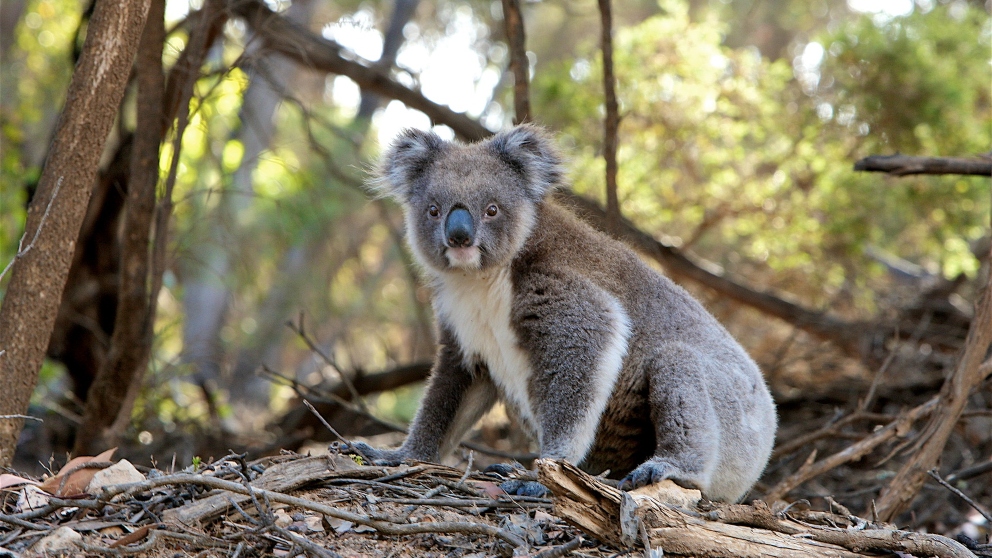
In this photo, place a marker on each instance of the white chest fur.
(476, 307)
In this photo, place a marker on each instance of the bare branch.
(612, 122)
(902, 165)
(811, 470)
(313, 51)
(966, 376)
(514, 24)
(936, 476)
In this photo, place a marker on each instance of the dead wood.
(966, 376)
(280, 477)
(898, 427)
(728, 530)
(902, 165)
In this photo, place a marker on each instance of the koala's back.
(667, 327)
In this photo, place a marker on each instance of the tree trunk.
(31, 302)
(130, 343)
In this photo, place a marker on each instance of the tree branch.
(845, 334)
(516, 40)
(965, 378)
(901, 165)
(611, 123)
(313, 51)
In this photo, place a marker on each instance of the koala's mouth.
(468, 258)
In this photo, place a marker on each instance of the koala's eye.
(433, 211)
(492, 210)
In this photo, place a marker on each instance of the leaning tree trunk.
(130, 342)
(56, 213)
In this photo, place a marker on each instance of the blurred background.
(740, 125)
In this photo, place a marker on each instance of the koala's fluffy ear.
(406, 160)
(529, 151)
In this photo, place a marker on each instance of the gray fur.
(608, 363)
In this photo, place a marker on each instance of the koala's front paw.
(524, 488)
(657, 470)
(373, 456)
(648, 473)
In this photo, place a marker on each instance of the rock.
(121, 472)
(58, 540)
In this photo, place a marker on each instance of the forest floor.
(332, 506)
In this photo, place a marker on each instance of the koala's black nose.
(459, 229)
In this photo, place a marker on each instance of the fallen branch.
(966, 376)
(854, 452)
(902, 165)
(685, 529)
(247, 492)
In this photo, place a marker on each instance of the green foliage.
(731, 155)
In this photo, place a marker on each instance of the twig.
(936, 476)
(901, 165)
(561, 550)
(852, 453)
(301, 331)
(384, 527)
(306, 543)
(332, 397)
(831, 429)
(88, 465)
(464, 502)
(154, 542)
(21, 252)
(970, 472)
(14, 417)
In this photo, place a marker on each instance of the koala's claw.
(382, 458)
(504, 470)
(647, 473)
(524, 488)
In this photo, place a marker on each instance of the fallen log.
(674, 519)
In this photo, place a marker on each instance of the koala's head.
(469, 206)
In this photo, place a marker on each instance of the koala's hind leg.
(687, 428)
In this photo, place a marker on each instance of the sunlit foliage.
(748, 162)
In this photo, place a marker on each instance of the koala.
(607, 363)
